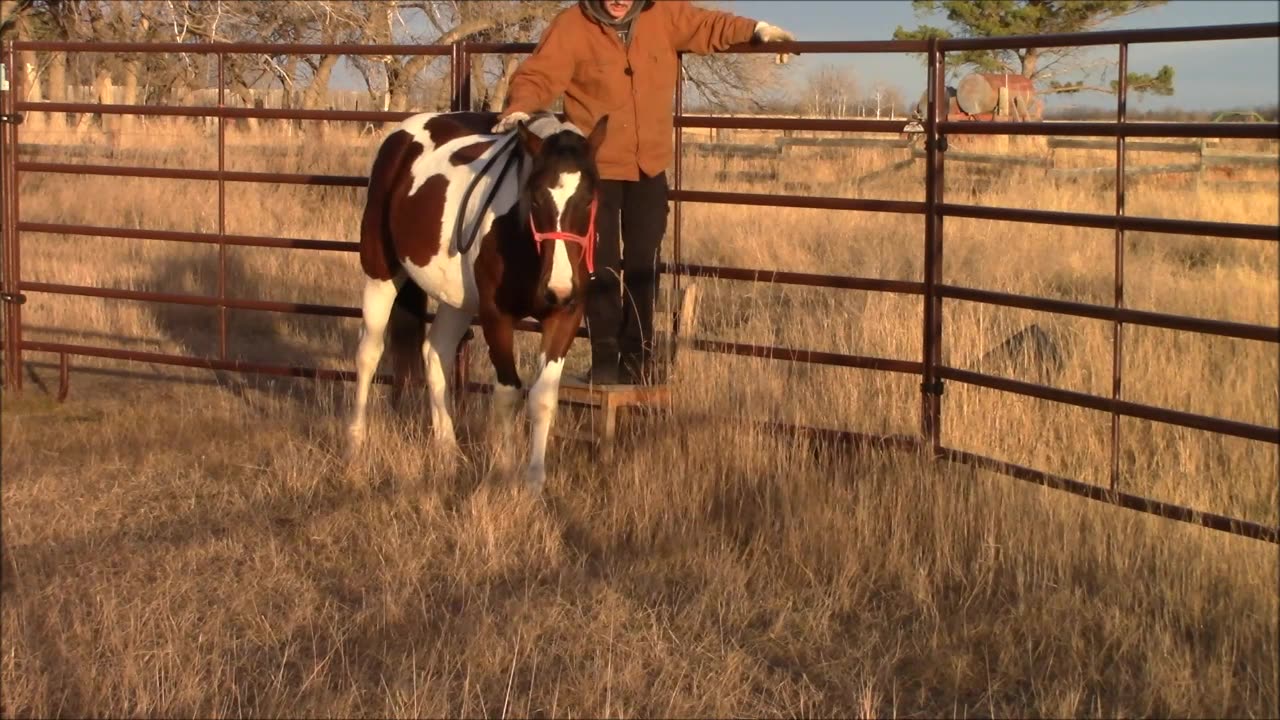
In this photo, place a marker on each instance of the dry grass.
(181, 547)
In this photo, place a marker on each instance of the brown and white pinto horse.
(427, 193)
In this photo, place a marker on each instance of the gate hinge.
(942, 143)
(931, 388)
(14, 118)
(17, 298)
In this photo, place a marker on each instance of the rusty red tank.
(979, 94)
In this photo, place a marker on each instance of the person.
(619, 58)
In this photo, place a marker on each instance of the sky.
(1207, 75)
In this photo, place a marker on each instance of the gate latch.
(16, 298)
(15, 118)
(931, 388)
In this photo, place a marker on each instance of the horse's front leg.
(499, 335)
(558, 331)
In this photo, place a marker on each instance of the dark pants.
(631, 222)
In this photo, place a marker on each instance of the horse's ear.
(596, 138)
(530, 140)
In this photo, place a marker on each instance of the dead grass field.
(187, 547)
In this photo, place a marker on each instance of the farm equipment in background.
(989, 96)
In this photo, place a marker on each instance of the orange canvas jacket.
(634, 85)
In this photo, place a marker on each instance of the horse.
(534, 257)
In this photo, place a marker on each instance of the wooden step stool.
(606, 400)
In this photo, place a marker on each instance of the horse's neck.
(524, 170)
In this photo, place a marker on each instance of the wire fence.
(931, 289)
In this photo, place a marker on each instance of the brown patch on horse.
(377, 251)
(506, 252)
(446, 128)
(470, 153)
(417, 224)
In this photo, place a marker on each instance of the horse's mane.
(546, 124)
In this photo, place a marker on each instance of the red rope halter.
(586, 242)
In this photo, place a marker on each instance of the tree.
(829, 91)
(395, 82)
(996, 18)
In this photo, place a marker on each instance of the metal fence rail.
(934, 209)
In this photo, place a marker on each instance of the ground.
(183, 544)
(197, 546)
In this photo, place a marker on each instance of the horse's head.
(562, 196)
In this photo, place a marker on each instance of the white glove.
(772, 33)
(508, 123)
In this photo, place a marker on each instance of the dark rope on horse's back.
(516, 157)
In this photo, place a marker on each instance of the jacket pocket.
(603, 81)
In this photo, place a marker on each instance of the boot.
(605, 364)
(638, 368)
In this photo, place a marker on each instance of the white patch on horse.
(447, 277)
(543, 397)
(561, 281)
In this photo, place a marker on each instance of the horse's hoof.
(355, 442)
(536, 480)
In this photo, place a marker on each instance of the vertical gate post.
(676, 181)
(1117, 328)
(935, 144)
(460, 76)
(222, 209)
(10, 278)
(460, 101)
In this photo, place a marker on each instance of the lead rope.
(516, 157)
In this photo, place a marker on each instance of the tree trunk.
(478, 96)
(290, 81)
(1030, 62)
(31, 88)
(499, 97)
(104, 89)
(397, 88)
(129, 123)
(28, 75)
(240, 90)
(319, 86)
(57, 88)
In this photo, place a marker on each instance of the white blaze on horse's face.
(560, 284)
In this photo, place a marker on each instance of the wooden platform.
(604, 402)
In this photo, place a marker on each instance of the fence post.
(222, 209)
(676, 181)
(935, 144)
(10, 278)
(1117, 328)
(460, 76)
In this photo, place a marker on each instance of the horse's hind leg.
(440, 353)
(379, 296)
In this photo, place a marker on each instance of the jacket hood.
(595, 10)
